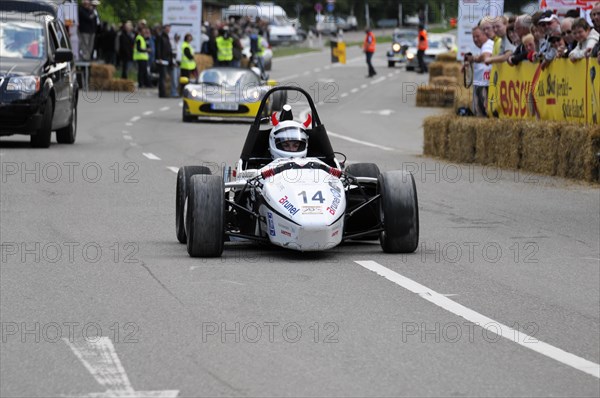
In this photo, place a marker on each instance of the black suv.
(38, 85)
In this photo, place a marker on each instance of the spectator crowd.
(541, 37)
(158, 56)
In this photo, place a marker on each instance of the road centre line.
(150, 156)
(148, 113)
(128, 137)
(288, 77)
(135, 119)
(379, 80)
(354, 90)
(164, 108)
(363, 86)
(343, 95)
(173, 169)
(440, 300)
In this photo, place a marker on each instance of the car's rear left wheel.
(41, 139)
(391, 64)
(205, 217)
(184, 175)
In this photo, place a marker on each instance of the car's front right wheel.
(184, 175)
(41, 138)
(205, 216)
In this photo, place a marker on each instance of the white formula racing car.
(308, 203)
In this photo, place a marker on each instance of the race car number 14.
(317, 197)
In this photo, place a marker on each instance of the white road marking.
(173, 169)
(150, 156)
(354, 90)
(501, 330)
(390, 74)
(147, 113)
(125, 132)
(343, 95)
(133, 144)
(164, 108)
(128, 137)
(180, 104)
(129, 124)
(288, 77)
(363, 86)
(327, 67)
(317, 70)
(100, 359)
(382, 112)
(134, 119)
(379, 80)
(306, 73)
(365, 143)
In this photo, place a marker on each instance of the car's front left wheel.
(184, 175)
(67, 134)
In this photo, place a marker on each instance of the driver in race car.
(288, 138)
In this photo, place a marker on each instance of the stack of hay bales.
(203, 61)
(100, 76)
(547, 147)
(443, 84)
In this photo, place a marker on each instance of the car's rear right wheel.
(205, 217)
(391, 64)
(184, 175)
(41, 139)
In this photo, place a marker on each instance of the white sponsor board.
(184, 16)
(469, 14)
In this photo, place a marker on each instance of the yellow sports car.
(226, 92)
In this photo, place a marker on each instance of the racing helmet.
(288, 138)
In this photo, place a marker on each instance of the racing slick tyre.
(391, 64)
(399, 212)
(367, 217)
(67, 134)
(205, 218)
(41, 139)
(184, 175)
(184, 114)
(363, 170)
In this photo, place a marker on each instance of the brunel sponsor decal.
(271, 224)
(288, 205)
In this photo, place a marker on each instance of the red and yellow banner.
(565, 90)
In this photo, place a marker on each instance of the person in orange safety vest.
(369, 49)
(422, 45)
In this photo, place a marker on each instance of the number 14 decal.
(317, 197)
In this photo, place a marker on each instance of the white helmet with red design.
(288, 138)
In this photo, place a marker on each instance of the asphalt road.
(502, 297)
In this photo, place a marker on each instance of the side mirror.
(271, 83)
(184, 80)
(63, 55)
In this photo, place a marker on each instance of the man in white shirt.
(481, 71)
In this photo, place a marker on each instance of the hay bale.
(463, 97)
(498, 142)
(102, 71)
(449, 56)
(435, 96)
(96, 84)
(539, 146)
(443, 81)
(462, 138)
(577, 151)
(121, 85)
(452, 70)
(435, 135)
(203, 61)
(436, 69)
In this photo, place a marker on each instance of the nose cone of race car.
(305, 209)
